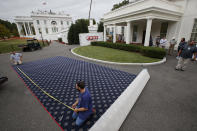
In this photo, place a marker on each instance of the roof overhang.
(156, 9)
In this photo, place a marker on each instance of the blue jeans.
(79, 121)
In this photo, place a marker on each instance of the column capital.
(150, 18)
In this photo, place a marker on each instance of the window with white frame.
(40, 31)
(45, 22)
(135, 33)
(67, 22)
(122, 30)
(47, 31)
(107, 31)
(61, 22)
(164, 29)
(194, 31)
(38, 22)
(54, 29)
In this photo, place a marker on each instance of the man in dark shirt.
(181, 44)
(186, 52)
(83, 105)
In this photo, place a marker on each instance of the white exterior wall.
(187, 21)
(51, 35)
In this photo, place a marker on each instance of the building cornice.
(139, 2)
(153, 10)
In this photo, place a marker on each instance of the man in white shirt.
(16, 58)
(173, 42)
(163, 42)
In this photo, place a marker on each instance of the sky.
(76, 8)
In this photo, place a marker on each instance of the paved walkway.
(168, 102)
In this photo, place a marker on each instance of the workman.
(83, 105)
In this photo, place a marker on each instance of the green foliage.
(4, 32)
(94, 21)
(153, 52)
(80, 26)
(100, 27)
(116, 6)
(71, 33)
(13, 45)
(11, 27)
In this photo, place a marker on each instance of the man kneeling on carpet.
(83, 105)
(16, 58)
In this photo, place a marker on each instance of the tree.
(71, 33)
(100, 27)
(116, 6)
(80, 26)
(4, 32)
(10, 26)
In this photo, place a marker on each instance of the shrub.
(153, 52)
(60, 39)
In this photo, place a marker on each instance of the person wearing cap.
(16, 58)
(173, 42)
(83, 105)
(186, 52)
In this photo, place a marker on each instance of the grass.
(113, 55)
(7, 46)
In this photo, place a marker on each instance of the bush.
(60, 39)
(153, 52)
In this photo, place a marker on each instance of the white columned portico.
(128, 35)
(114, 34)
(29, 29)
(148, 31)
(25, 29)
(104, 33)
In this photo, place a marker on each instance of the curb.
(117, 63)
(119, 110)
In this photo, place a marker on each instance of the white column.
(104, 33)
(128, 34)
(148, 31)
(19, 29)
(114, 34)
(29, 28)
(25, 29)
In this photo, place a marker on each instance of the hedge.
(153, 52)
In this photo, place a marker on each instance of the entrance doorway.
(143, 37)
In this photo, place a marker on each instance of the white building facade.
(43, 24)
(143, 20)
